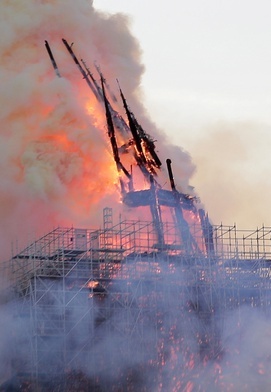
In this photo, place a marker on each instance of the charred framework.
(112, 308)
(143, 149)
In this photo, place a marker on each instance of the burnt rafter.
(185, 201)
(113, 141)
(112, 95)
(81, 69)
(54, 64)
(141, 147)
(144, 144)
(98, 88)
(119, 122)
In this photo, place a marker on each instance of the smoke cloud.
(57, 169)
(232, 176)
(56, 161)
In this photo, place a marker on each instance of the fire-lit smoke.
(57, 169)
(56, 160)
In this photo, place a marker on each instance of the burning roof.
(138, 150)
(57, 160)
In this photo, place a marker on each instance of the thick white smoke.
(56, 162)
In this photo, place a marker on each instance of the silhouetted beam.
(140, 136)
(112, 95)
(170, 174)
(151, 147)
(98, 88)
(52, 59)
(83, 72)
(133, 128)
(112, 137)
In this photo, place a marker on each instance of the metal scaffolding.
(95, 296)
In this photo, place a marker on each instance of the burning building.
(139, 304)
(143, 302)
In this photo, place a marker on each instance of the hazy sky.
(207, 85)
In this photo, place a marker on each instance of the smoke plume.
(57, 169)
(56, 161)
(232, 160)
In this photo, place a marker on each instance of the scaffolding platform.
(80, 287)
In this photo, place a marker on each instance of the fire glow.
(158, 288)
(58, 161)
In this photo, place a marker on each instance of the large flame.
(56, 161)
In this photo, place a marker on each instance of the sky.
(207, 85)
